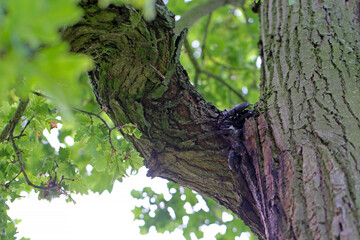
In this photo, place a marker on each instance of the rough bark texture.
(296, 173)
(310, 128)
(139, 80)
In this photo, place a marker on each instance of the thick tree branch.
(138, 78)
(295, 167)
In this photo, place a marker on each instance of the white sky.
(94, 216)
(107, 216)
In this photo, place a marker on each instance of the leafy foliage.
(147, 6)
(184, 209)
(66, 171)
(29, 37)
(225, 44)
(37, 69)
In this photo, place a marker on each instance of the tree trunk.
(310, 128)
(295, 171)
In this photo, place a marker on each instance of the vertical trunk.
(309, 177)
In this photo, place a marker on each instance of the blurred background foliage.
(223, 43)
(220, 54)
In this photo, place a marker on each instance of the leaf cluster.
(32, 54)
(184, 209)
(99, 157)
(223, 43)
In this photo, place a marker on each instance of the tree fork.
(298, 174)
(138, 78)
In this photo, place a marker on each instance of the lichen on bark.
(299, 176)
(138, 78)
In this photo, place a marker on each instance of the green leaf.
(137, 133)
(147, 6)
(82, 118)
(291, 2)
(79, 186)
(4, 153)
(100, 164)
(5, 108)
(30, 38)
(137, 211)
(80, 134)
(38, 22)
(67, 169)
(136, 161)
(99, 181)
(136, 194)
(64, 154)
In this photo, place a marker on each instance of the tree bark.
(310, 128)
(295, 173)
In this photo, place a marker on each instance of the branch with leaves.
(7, 134)
(54, 186)
(110, 129)
(97, 115)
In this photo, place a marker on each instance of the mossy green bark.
(138, 78)
(299, 176)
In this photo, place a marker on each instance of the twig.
(67, 179)
(18, 155)
(191, 55)
(211, 58)
(13, 122)
(22, 130)
(193, 61)
(90, 114)
(225, 83)
(77, 109)
(41, 95)
(198, 69)
(204, 38)
(196, 80)
(7, 185)
(93, 114)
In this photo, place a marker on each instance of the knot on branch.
(230, 124)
